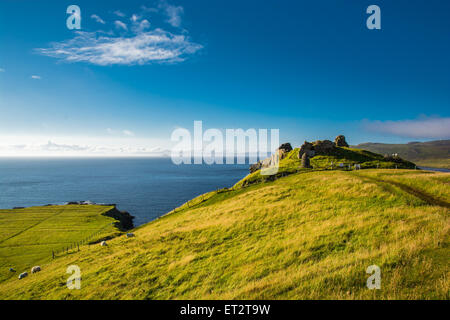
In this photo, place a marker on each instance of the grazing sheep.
(35, 269)
(12, 270)
(23, 275)
(103, 244)
(130, 235)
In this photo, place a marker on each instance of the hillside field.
(309, 235)
(28, 236)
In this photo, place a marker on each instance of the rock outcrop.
(124, 219)
(283, 150)
(305, 161)
(339, 141)
(281, 153)
(323, 147)
(306, 148)
(255, 167)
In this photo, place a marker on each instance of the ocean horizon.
(147, 187)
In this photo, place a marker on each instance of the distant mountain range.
(428, 154)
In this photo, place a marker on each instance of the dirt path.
(414, 192)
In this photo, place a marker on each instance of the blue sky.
(137, 70)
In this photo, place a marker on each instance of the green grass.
(435, 163)
(347, 156)
(29, 236)
(310, 235)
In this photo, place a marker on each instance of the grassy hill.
(30, 236)
(348, 157)
(429, 154)
(309, 235)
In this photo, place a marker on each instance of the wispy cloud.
(140, 26)
(149, 9)
(173, 13)
(135, 18)
(120, 25)
(35, 77)
(52, 148)
(98, 19)
(135, 43)
(425, 127)
(142, 48)
(2, 70)
(119, 13)
(128, 133)
(125, 132)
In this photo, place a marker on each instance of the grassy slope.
(347, 156)
(308, 235)
(28, 236)
(430, 154)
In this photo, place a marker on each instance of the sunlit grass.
(29, 236)
(305, 236)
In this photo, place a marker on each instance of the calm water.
(147, 188)
(435, 169)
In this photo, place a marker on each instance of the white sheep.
(35, 269)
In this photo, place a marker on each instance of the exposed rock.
(271, 161)
(284, 149)
(323, 146)
(340, 141)
(305, 161)
(306, 148)
(124, 219)
(255, 167)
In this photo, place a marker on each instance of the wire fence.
(75, 246)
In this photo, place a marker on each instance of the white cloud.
(120, 25)
(141, 26)
(119, 13)
(148, 9)
(128, 133)
(142, 48)
(52, 148)
(135, 18)
(134, 43)
(2, 70)
(173, 13)
(425, 127)
(35, 77)
(98, 19)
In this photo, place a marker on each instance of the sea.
(146, 187)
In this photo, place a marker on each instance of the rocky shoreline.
(124, 218)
